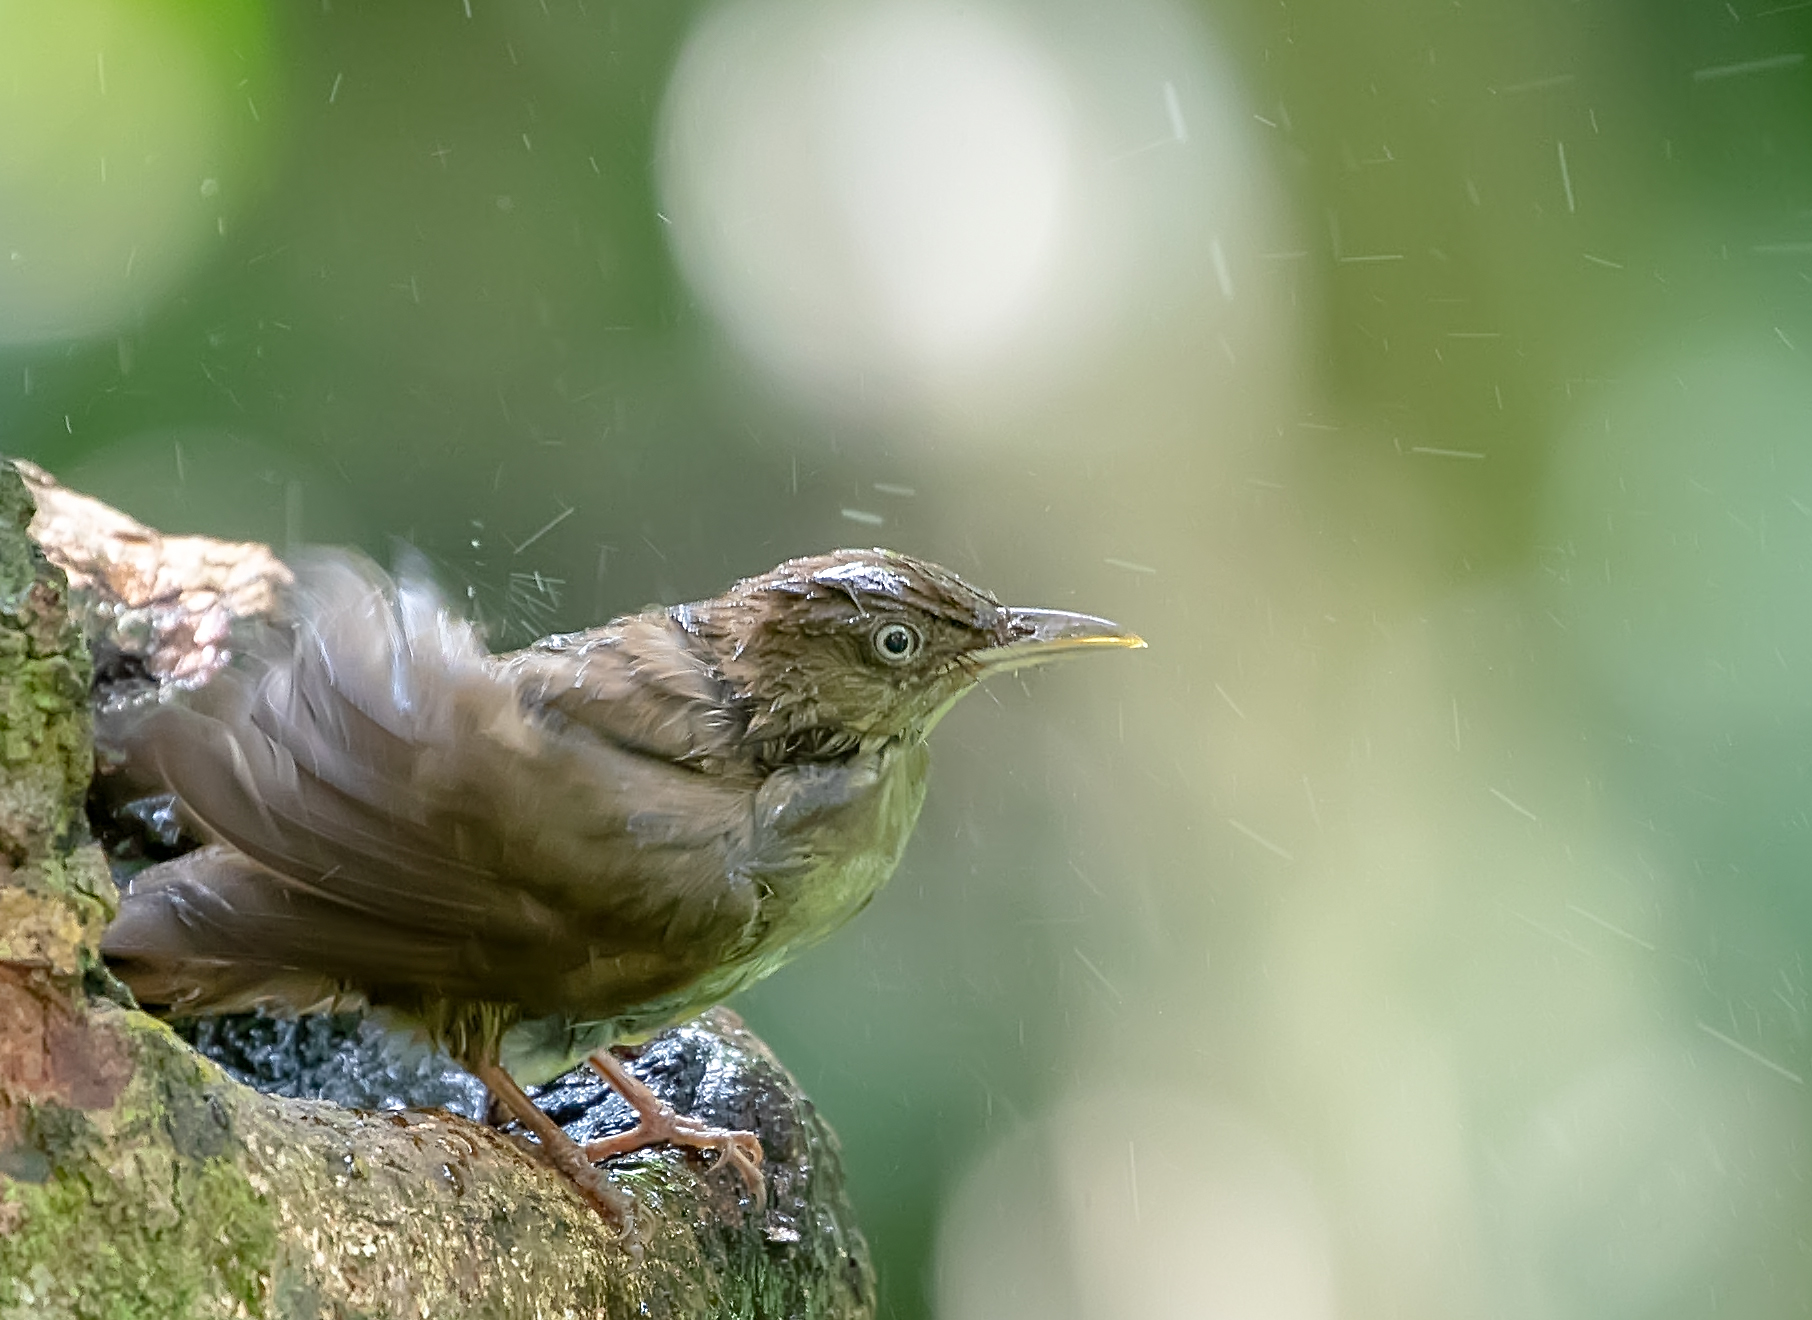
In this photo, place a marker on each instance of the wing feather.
(392, 788)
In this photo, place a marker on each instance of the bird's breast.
(821, 840)
(826, 838)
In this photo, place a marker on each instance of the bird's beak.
(1035, 636)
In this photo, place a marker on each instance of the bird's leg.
(558, 1149)
(657, 1121)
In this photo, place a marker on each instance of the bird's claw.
(744, 1153)
(595, 1186)
(741, 1150)
(657, 1122)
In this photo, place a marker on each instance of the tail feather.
(178, 942)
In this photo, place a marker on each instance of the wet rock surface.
(712, 1069)
(338, 1057)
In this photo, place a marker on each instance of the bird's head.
(865, 646)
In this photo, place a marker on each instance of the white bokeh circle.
(887, 204)
(1184, 1210)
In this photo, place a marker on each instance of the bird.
(535, 856)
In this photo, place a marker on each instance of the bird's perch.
(138, 1179)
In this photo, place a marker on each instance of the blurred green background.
(1419, 928)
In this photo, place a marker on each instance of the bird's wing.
(635, 682)
(377, 766)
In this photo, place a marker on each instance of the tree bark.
(138, 1178)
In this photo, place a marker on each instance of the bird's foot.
(567, 1156)
(616, 1205)
(657, 1121)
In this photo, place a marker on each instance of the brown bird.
(539, 855)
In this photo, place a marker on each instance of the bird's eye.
(896, 643)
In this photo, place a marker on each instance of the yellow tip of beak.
(1041, 635)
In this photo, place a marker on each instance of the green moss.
(144, 1213)
(82, 1250)
(17, 507)
(139, 1209)
(46, 728)
(45, 741)
(79, 879)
